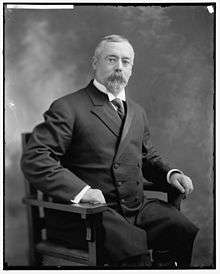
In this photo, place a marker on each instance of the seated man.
(94, 146)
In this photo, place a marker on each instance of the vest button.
(122, 200)
(116, 165)
(119, 183)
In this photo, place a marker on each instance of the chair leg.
(94, 236)
(92, 254)
(163, 259)
(35, 259)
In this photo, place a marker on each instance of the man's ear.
(94, 62)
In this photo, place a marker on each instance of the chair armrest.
(81, 208)
(155, 187)
(174, 196)
(91, 214)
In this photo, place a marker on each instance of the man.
(95, 148)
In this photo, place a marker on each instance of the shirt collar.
(111, 97)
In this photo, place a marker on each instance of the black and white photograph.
(109, 136)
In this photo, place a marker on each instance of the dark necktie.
(119, 107)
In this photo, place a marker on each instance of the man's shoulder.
(136, 106)
(71, 103)
(72, 98)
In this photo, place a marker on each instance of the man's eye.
(111, 60)
(126, 62)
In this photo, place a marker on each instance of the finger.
(191, 188)
(91, 196)
(96, 202)
(187, 185)
(101, 197)
(99, 201)
(98, 197)
(178, 186)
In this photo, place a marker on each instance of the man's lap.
(121, 238)
(127, 236)
(159, 219)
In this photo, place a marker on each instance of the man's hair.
(110, 38)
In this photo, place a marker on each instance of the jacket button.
(119, 183)
(122, 200)
(116, 165)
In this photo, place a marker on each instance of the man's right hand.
(93, 196)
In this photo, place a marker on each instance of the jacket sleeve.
(40, 161)
(153, 167)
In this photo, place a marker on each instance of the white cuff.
(79, 196)
(170, 172)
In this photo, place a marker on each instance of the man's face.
(113, 67)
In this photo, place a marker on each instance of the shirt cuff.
(79, 196)
(170, 173)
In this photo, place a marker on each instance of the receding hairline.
(114, 38)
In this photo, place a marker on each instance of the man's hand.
(93, 196)
(181, 182)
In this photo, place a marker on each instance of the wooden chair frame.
(91, 214)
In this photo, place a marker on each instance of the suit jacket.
(82, 141)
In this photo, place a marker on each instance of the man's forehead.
(122, 48)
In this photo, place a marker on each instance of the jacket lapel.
(103, 109)
(126, 129)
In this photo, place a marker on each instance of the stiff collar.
(111, 97)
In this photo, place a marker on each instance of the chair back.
(35, 215)
(29, 189)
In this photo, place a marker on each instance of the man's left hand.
(181, 182)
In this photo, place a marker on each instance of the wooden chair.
(40, 249)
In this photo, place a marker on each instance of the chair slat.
(55, 250)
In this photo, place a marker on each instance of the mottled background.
(48, 54)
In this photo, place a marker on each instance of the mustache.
(118, 77)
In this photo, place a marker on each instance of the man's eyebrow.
(129, 58)
(112, 55)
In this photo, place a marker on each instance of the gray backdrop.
(48, 54)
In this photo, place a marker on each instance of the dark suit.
(83, 141)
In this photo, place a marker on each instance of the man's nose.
(119, 65)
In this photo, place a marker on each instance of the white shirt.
(111, 97)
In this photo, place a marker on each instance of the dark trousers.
(157, 226)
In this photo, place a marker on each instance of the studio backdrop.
(48, 54)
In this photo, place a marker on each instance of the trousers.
(157, 225)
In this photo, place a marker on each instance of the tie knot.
(119, 106)
(118, 103)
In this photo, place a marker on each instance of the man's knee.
(183, 226)
(122, 239)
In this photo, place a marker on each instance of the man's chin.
(115, 88)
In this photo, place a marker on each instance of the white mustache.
(118, 77)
